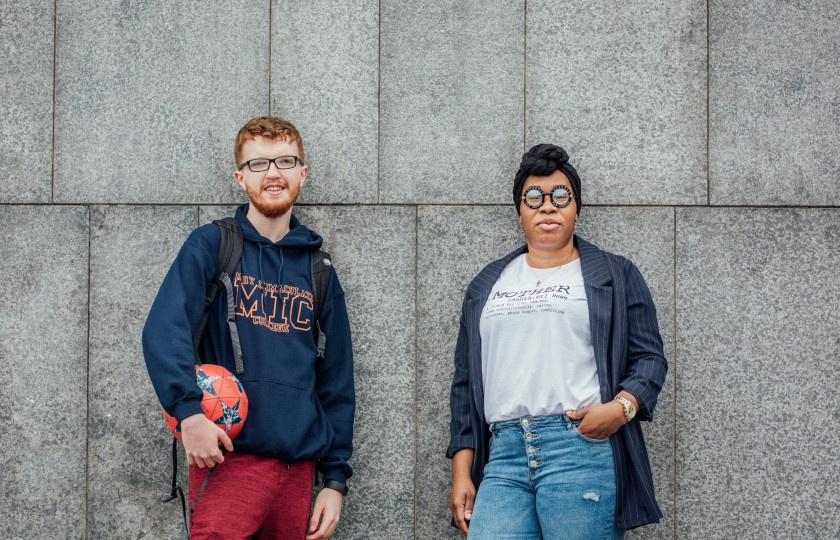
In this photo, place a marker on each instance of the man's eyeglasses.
(534, 197)
(262, 164)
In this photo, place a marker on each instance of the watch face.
(629, 408)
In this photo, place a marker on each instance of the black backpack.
(230, 251)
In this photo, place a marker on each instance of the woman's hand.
(599, 421)
(462, 497)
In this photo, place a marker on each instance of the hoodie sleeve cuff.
(334, 474)
(186, 408)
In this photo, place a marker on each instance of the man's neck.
(272, 228)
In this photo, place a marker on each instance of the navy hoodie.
(299, 408)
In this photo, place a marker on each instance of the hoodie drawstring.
(282, 262)
(260, 263)
(280, 270)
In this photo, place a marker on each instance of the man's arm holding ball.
(202, 440)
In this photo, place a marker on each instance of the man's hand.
(462, 497)
(201, 439)
(327, 511)
(599, 421)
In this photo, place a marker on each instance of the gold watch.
(629, 408)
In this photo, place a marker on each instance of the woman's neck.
(549, 258)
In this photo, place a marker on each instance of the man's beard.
(272, 209)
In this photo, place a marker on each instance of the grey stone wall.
(706, 135)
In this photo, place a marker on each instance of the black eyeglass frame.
(549, 194)
(270, 160)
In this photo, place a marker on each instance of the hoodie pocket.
(284, 421)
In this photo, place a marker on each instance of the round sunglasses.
(534, 197)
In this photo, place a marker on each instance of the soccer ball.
(224, 401)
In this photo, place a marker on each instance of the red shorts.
(251, 496)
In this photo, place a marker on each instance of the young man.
(301, 407)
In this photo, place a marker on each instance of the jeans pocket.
(589, 440)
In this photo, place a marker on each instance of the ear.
(303, 172)
(239, 178)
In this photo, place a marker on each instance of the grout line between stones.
(674, 411)
(87, 369)
(525, 76)
(708, 107)
(55, 83)
(416, 358)
(379, 102)
(432, 205)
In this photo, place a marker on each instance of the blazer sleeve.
(646, 364)
(460, 430)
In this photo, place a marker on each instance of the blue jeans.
(545, 480)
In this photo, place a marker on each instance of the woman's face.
(548, 227)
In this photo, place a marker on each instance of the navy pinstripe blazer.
(628, 354)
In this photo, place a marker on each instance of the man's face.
(548, 227)
(272, 192)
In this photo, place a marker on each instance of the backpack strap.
(177, 491)
(230, 251)
(320, 265)
(231, 322)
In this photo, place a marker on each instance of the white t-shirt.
(536, 346)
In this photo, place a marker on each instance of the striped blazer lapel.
(474, 307)
(597, 283)
(477, 294)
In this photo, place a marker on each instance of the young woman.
(558, 358)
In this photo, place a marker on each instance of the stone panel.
(26, 100)
(759, 368)
(373, 252)
(150, 95)
(206, 214)
(451, 100)
(451, 251)
(774, 107)
(43, 363)
(130, 448)
(622, 87)
(324, 78)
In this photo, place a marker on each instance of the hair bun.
(544, 159)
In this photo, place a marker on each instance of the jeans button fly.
(533, 463)
(525, 422)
